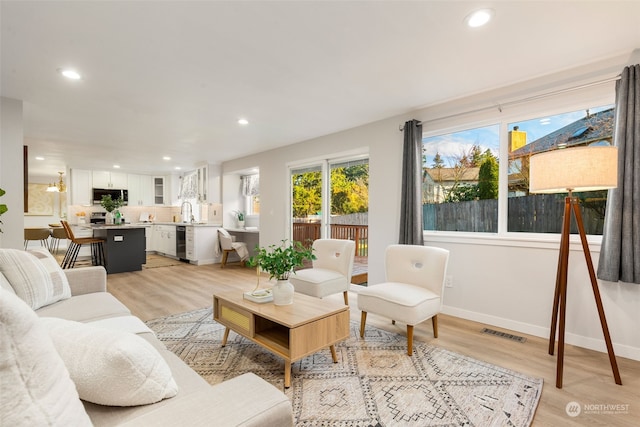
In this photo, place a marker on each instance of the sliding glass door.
(330, 199)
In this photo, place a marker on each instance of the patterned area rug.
(374, 382)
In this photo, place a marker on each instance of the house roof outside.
(591, 128)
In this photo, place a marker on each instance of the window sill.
(522, 240)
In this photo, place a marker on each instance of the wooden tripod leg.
(560, 297)
(596, 294)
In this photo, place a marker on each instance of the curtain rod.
(519, 101)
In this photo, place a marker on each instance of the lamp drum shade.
(577, 169)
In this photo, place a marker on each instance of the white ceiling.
(172, 78)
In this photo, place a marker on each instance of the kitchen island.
(124, 247)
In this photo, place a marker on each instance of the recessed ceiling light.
(116, 166)
(69, 73)
(479, 18)
(243, 122)
(39, 158)
(166, 158)
(178, 168)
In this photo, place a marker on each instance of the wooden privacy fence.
(539, 213)
(307, 232)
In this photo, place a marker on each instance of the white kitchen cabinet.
(106, 179)
(140, 190)
(201, 244)
(209, 183)
(81, 193)
(163, 239)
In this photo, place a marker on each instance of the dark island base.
(124, 248)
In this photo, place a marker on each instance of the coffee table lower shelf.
(291, 332)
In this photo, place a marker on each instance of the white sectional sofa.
(246, 400)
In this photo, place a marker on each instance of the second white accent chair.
(413, 289)
(331, 271)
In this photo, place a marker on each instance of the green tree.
(488, 179)
(437, 161)
(349, 191)
(307, 194)
(462, 193)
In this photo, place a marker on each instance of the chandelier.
(60, 187)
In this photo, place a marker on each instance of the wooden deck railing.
(308, 232)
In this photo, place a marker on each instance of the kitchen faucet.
(182, 211)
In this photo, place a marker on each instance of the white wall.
(501, 279)
(11, 173)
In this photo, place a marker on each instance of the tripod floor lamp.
(569, 170)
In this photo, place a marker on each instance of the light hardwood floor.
(588, 380)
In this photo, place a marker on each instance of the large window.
(460, 180)
(461, 174)
(542, 213)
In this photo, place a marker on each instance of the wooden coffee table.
(289, 331)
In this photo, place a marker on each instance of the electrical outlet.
(448, 282)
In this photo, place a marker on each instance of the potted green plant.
(239, 215)
(110, 205)
(280, 262)
(3, 207)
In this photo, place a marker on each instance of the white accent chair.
(228, 245)
(413, 291)
(331, 272)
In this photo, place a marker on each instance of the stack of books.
(261, 296)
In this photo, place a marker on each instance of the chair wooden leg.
(346, 298)
(363, 320)
(434, 322)
(225, 254)
(409, 340)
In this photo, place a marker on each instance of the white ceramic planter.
(283, 292)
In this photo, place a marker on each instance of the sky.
(452, 146)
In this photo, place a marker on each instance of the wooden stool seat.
(70, 257)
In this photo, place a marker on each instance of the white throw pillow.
(111, 367)
(35, 387)
(4, 284)
(33, 277)
(58, 277)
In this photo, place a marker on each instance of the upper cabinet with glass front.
(159, 196)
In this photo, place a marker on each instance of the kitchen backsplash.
(210, 213)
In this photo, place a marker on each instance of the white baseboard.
(538, 331)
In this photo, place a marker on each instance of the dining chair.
(41, 234)
(57, 234)
(413, 289)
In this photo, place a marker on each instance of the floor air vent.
(503, 335)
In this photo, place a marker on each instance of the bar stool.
(97, 248)
(57, 233)
(41, 234)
